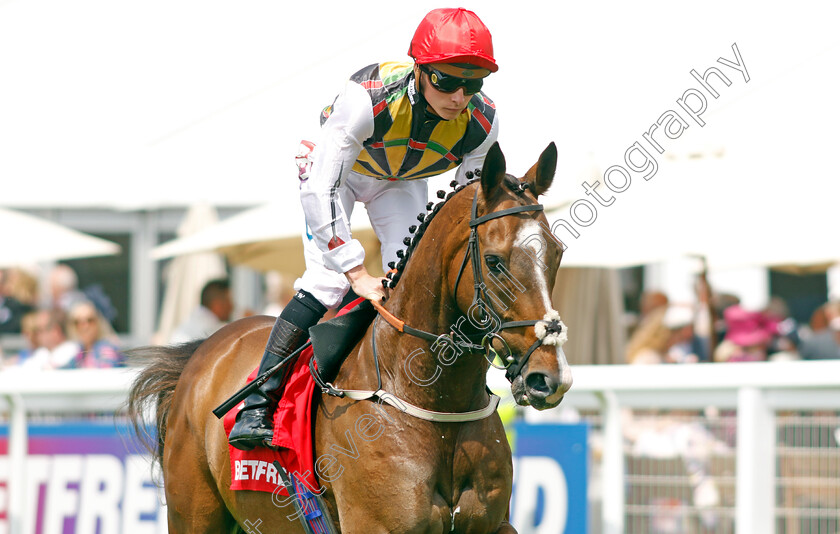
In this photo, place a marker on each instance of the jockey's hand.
(365, 285)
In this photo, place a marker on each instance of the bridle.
(480, 298)
(548, 330)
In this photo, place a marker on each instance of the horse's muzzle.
(540, 390)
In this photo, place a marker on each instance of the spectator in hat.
(682, 342)
(748, 335)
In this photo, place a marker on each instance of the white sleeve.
(474, 160)
(339, 145)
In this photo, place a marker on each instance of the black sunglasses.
(446, 83)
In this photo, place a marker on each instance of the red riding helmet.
(453, 36)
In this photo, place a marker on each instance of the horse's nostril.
(540, 384)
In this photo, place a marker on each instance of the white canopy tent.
(264, 238)
(26, 240)
(750, 198)
(186, 275)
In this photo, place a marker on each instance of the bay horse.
(418, 475)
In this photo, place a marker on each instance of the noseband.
(550, 324)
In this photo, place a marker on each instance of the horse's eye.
(494, 262)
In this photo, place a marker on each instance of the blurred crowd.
(717, 328)
(62, 327)
(720, 329)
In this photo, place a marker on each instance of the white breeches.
(392, 207)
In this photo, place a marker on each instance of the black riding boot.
(254, 423)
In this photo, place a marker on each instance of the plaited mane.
(426, 218)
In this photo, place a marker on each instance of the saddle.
(333, 340)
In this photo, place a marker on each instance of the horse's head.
(507, 291)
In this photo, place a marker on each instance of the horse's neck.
(424, 301)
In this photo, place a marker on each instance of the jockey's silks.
(409, 142)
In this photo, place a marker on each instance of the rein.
(550, 324)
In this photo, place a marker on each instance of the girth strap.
(422, 413)
(396, 402)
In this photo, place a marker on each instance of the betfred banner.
(89, 477)
(550, 472)
(83, 477)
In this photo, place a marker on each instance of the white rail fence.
(755, 390)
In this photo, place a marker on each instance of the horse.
(450, 472)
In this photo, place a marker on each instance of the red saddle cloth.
(293, 435)
(254, 469)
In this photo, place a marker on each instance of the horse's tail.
(154, 388)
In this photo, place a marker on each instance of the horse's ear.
(540, 176)
(493, 172)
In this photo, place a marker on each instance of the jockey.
(391, 127)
